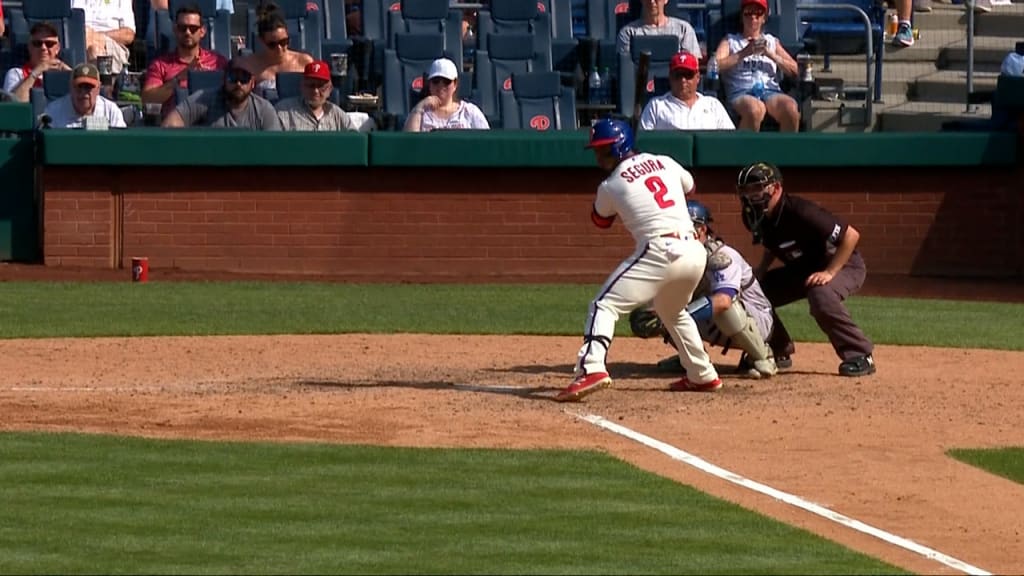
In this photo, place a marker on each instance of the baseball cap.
(761, 3)
(684, 61)
(317, 70)
(85, 74)
(443, 68)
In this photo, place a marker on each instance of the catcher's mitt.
(645, 323)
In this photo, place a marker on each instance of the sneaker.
(859, 366)
(671, 364)
(982, 6)
(583, 386)
(922, 5)
(904, 36)
(756, 368)
(685, 385)
(783, 362)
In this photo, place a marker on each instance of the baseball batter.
(729, 306)
(649, 192)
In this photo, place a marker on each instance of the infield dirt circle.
(870, 448)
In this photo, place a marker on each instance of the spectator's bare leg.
(751, 111)
(785, 111)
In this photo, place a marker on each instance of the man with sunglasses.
(43, 55)
(84, 101)
(820, 261)
(313, 112)
(170, 71)
(109, 30)
(232, 106)
(682, 107)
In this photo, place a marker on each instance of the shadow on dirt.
(531, 392)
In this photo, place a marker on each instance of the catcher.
(729, 307)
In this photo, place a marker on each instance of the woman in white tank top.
(751, 65)
(440, 109)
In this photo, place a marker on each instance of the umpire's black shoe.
(783, 362)
(859, 366)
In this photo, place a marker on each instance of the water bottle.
(606, 86)
(469, 46)
(758, 90)
(593, 86)
(713, 69)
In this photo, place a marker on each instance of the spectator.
(683, 108)
(441, 109)
(654, 22)
(84, 101)
(170, 71)
(750, 64)
(232, 106)
(3, 27)
(313, 112)
(354, 17)
(1013, 64)
(228, 5)
(109, 30)
(273, 33)
(43, 55)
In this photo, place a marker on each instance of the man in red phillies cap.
(682, 107)
(313, 111)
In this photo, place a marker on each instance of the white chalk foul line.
(704, 465)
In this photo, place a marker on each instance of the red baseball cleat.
(685, 385)
(583, 386)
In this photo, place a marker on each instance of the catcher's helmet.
(613, 133)
(699, 213)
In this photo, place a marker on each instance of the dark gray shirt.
(207, 108)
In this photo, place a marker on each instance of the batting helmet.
(613, 133)
(699, 213)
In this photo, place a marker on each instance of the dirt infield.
(870, 448)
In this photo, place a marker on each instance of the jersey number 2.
(657, 187)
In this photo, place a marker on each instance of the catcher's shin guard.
(741, 331)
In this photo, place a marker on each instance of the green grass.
(1005, 462)
(99, 504)
(35, 309)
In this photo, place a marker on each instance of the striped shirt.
(296, 116)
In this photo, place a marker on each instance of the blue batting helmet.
(614, 133)
(699, 213)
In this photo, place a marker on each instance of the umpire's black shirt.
(803, 235)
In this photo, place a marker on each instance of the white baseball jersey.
(649, 192)
(727, 269)
(666, 112)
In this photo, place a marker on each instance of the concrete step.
(926, 116)
(989, 52)
(897, 77)
(949, 86)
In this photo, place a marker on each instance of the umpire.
(820, 263)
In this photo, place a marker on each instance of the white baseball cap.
(444, 68)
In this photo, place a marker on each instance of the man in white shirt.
(683, 108)
(84, 102)
(313, 112)
(654, 22)
(109, 30)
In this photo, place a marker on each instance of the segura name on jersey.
(636, 171)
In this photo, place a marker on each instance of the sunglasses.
(440, 80)
(282, 43)
(318, 86)
(190, 28)
(47, 43)
(239, 76)
(753, 13)
(688, 74)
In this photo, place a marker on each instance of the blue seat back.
(335, 20)
(506, 55)
(404, 67)
(538, 101)
(429, 17)
(289, 85)
(662, 48)
(56, 84)
(518, 17)
(606, 17)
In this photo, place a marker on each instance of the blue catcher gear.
(699, 213)
(614, 133)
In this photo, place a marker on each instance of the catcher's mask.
(755, 186)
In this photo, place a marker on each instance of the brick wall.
(476, 223)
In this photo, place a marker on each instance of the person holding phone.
(750, 64)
